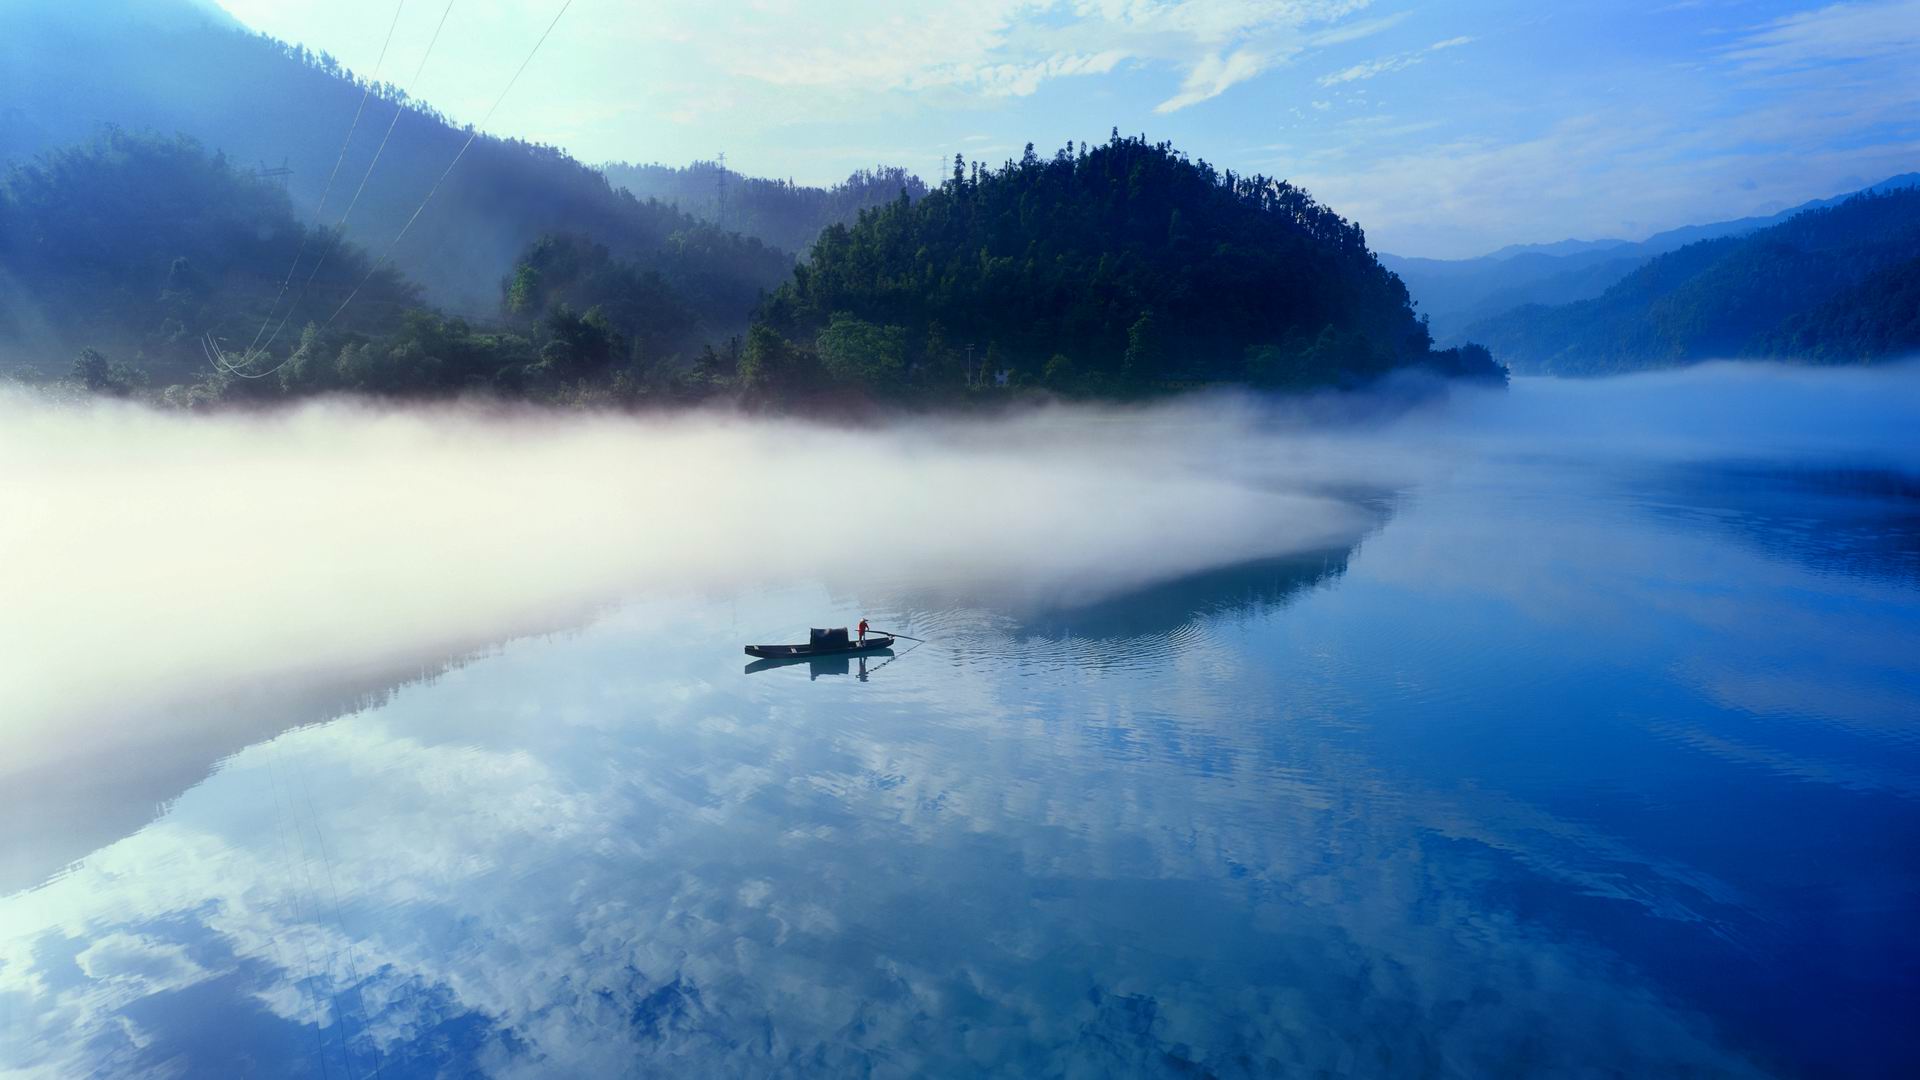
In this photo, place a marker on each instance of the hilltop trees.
(781, 213)
(1116, 269)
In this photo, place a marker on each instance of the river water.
(1575, 763)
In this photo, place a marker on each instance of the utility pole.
(278, 175)
(720, 193)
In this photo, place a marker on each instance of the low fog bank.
(152, 557)
(153, 561)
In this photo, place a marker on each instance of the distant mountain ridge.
(1833, 284)
(1456, 293)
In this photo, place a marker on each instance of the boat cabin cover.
(828, 639)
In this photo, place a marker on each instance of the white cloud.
(1396, 62)
(1012, 47)
(1212, 76)
(1839, 33)
(1369, 69)
(1019, 80)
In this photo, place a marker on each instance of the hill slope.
(780, 213)
(1456, 293)
(1824, 286)
(136, 247)
(1116, 269)
(168, 66)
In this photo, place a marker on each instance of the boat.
(834, 642)
(829, 664)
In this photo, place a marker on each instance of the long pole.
(890, 633)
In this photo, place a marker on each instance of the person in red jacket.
(863, 630)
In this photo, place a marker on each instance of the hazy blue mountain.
(1835, 284)
(781, 213)
(177, 66)
(1456, 293)
(134, 249)
(1558, 247)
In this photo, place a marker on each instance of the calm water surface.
(1564, 769)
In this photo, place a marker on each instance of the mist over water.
(1563, 728)
(151, 552)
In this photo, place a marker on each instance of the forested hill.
(132, 249)
(780, 213)
(1833, 285)
(1114, 269)
(166, 66)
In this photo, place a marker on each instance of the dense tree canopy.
(1136, 272)
(1831, 285)
(781, 213)
(1118, 268)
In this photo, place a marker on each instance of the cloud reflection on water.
(1477, 810)
(683, 890)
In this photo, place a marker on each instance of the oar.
(890, 633)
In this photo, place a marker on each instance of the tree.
(770, 366)
(98, 375)
(1146, 349)
(90, 369)
(855, 351)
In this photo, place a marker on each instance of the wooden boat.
(823, 643)
(829, 664)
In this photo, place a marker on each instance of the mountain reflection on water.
(1544, 777)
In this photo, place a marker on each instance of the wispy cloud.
(996, 48)
(1212, 76)
(1396, 62)
(1840, 33)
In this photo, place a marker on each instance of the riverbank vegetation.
(1116, 271)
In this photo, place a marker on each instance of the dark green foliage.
(772, 367)
(856, 351)
(138, 246)
(781, 213)
(1120, 269)
(147, 246)
(642, 306)
(98, 375)
(1878, 318)
(1828, 285)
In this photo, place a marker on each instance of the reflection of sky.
(1530, 783)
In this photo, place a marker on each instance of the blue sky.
(1445, 129)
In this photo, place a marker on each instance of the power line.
(213, 349)
(473, 134)
(399, 108)
(337, 162)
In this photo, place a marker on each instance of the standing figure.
(863, 630)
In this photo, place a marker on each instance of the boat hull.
(800, 652)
